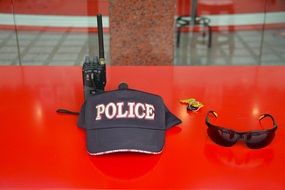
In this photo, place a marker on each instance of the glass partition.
(273, 42)
(229, 32)
(9, 54)
(207, 32)
(59, 32)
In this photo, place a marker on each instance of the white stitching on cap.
(124, 150)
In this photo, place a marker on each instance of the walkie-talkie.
(94, 68)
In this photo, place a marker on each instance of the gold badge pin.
(192, 104)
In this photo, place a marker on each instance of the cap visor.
(120, 139)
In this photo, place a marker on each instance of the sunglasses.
(228, 137)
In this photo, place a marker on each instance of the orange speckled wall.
(142, 32)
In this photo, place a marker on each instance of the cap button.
(123, 86)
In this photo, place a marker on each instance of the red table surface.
(40, 148)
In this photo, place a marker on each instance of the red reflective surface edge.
(40, 148)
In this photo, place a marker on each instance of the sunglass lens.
(259, 140)
(222, 137)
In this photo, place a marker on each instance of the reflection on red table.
(40, 148)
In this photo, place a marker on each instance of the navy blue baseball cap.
(125, 120)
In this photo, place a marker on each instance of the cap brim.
(120, 139)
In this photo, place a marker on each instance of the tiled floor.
(48, 48)
(234, 48)
(69, 48)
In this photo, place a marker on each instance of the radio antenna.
(100, 39)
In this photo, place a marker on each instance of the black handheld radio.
(94, 68)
